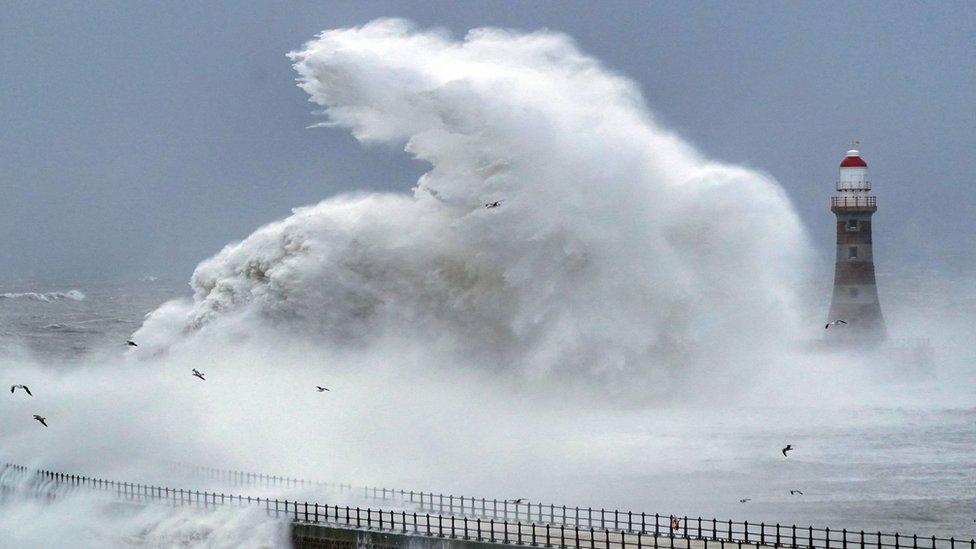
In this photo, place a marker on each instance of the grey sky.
(142, 138)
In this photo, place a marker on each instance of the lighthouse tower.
(855, 297)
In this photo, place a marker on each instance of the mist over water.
(627, 328)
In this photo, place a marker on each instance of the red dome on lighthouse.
(853, 160)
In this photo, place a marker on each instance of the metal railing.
(348, 517)
(573, 518)
(854, 202)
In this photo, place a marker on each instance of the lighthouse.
(855, 296)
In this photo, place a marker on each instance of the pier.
(418, 520)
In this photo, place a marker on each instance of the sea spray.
(619, 257)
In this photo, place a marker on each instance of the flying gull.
(24, 387)
(795, 493)
(494, 204)
(321, 389)
(199, 374)
(131, 343)
(43, 420)
(788, 448)
(743, 500)
(517, 501)
(834, 323)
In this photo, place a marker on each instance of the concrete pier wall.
(313, 536)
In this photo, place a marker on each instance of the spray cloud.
(618, 253)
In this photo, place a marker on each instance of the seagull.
(494, 204)
(743, 500)
(834, 323)
(518, 501)
(24, 387)
(199, 374)
(321, 389)
(795, 492)
(131, 343)
(41, 419)
(787, 449)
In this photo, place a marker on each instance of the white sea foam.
(73, 295)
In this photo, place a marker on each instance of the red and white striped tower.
(855, 297)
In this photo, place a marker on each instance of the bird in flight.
(24, 387)
(743, 500)
(788, 448)
(131, 343)
(199, 374)
(795, 492)
(518, 501)
(834, 323)
(321, 389)
(494, 204)
(43, 420)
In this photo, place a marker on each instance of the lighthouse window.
(852, 252)
(852, 225)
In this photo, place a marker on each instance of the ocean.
(905, 469)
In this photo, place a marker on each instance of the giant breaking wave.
(618, 250)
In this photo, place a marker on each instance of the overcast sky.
(139, 139)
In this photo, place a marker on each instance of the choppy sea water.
(889, 469)
(66, 322)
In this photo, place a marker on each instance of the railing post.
(777, 534)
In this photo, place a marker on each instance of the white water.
(620, 258)
(45, 296)
(623, 330)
